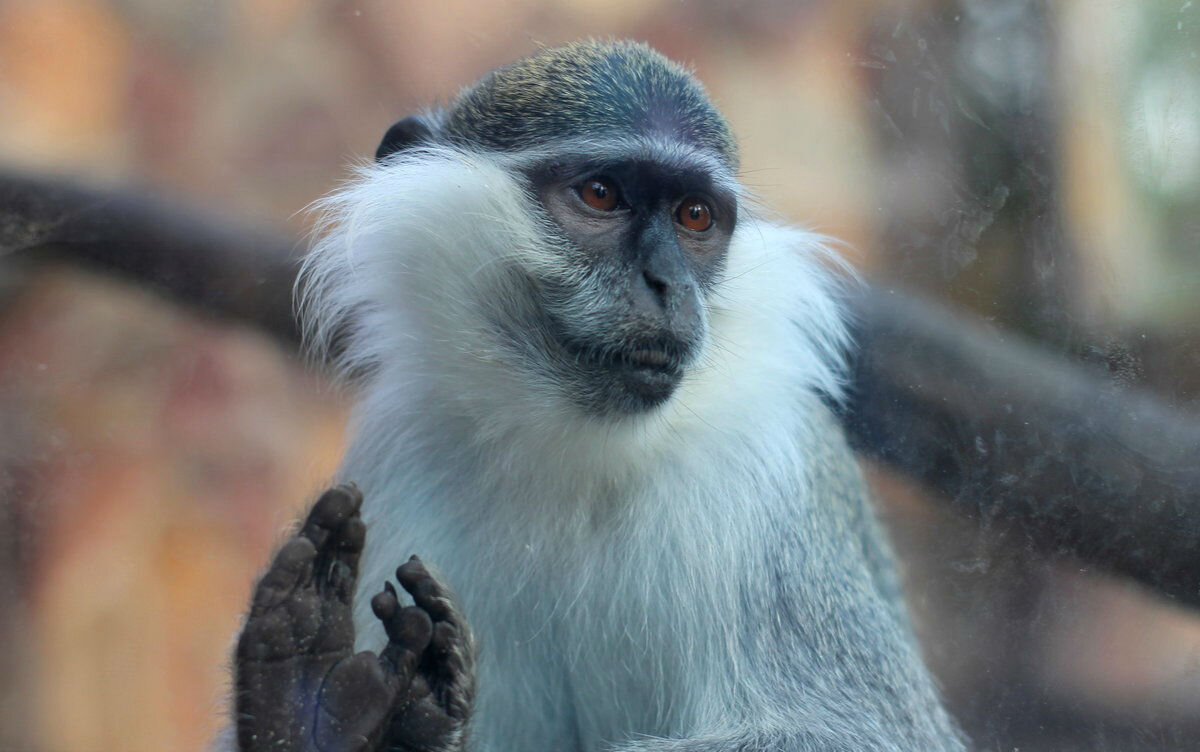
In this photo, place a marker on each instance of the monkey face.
(561, 239)
(647, 237)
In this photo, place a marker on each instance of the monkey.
(597, 391)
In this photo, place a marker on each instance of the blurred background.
(1035, 162)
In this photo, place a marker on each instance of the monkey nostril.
(657, 286)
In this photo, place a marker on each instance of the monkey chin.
(648, 388)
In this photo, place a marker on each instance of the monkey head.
(559, 233)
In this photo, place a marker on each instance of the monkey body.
(594, 393)
(642, 610)
(708, 573)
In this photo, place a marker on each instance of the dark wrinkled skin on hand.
(300, 686)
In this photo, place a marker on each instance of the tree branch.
(223, 267)
(1011, 433)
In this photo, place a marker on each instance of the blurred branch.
(1007, 431)
(1014, 434)
(216, 264)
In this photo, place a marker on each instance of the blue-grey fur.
(707, 576)
(588, 89)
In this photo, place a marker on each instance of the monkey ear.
(405, 134)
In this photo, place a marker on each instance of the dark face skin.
(652, 239)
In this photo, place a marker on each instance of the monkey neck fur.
(423, 321)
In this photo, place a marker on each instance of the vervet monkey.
(594, 394)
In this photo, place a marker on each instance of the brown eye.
(599, 194)
(694, 215)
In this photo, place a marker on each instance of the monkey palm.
(596, 397)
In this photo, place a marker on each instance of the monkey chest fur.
(618, 616)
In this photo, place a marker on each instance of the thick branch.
(212, 262)
(1011, 433)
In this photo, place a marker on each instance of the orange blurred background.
(150, 458)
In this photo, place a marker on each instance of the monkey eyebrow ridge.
(557, 160)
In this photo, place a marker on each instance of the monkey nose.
(659, 288)
(667, 284)
(666, 308)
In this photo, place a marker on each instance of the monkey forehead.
(589, 90)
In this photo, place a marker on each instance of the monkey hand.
(300, 686)
(433, 712)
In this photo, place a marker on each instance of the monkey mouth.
(664, 356)
(648, 363)
(630, 375)
(636, 377)
(649, 358)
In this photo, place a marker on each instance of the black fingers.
(409, 630)
(445, 635)
(343, 564)
(429, 644)
(292, 567)
(447, 665)
(332, 510)
(336, 530)
(425, 590)
(294, 655)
